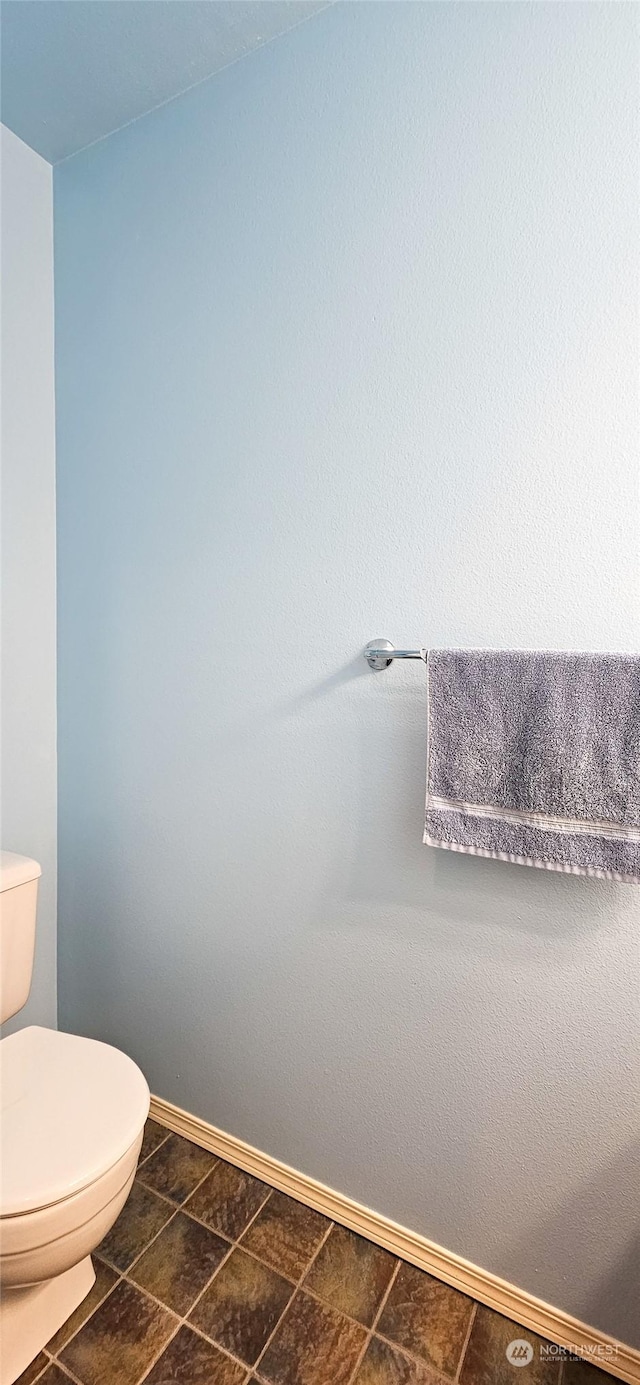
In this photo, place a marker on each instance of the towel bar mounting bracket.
(380, 653)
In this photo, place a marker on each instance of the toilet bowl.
(73, 1114)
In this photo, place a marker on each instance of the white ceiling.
(75, 70)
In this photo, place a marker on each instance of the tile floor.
(210, 1277)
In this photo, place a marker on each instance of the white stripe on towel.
(564, 866)
(614, 831)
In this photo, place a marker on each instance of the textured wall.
(28, 564)
(347, 347)
(73, 73)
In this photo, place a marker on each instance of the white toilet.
(73, 1114)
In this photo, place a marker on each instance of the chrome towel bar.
(380, 653)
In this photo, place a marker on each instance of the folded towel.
(535, 758)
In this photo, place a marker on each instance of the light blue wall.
(73, 73)
(347, 347)
(28, 807)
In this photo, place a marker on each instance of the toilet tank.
(18, 900)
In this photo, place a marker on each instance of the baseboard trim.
(609, 1355)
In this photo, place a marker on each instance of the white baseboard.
(609, 1355)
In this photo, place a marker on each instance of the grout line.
(440, 1276)
(75, 1378)
(44, 1368)
(120, 1273)
(227, 1256)
(164, 1196)
(322, 1242)
(297, 1286)
(137, 1257)
(416, 1360)
(183, 1321)
(153, 1151)
(62, 1367)
(296, 1291)
(300, 1285)
(177, 1207)
(376, 1319)
(235, 1245)
(55, 1355)
(255, 1216)
(124, 1274)
(123, 1277)
(222, 1234)
(218, 1345)
(147, 1157)
(163, 1348)
(467, 1339)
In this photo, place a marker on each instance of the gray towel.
(535, 758)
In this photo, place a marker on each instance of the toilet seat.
(39, 1245)
(72, 1108)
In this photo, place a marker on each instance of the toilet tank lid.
(16, 870)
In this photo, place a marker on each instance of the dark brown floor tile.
(140, 1220)
(285, 1234)
(384, 1365)
(351, 1274)
(33, 1370)
(485, 1360)
(427, 1317)
(241, 1307)
(153, 1136)
(105, 1280)
(314, 1345)
(189, 1360)
(228, 1199)
(121, 1339)
(582, 1373)
(176, 1167)
(179, 1263)
(54, 1376)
